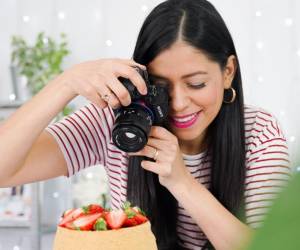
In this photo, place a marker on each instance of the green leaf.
(130, 213)
(126, 205)
(85, 209)
(100, 225)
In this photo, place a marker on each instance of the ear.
(229, 71)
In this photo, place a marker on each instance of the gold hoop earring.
(229, 95)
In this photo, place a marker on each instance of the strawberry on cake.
(94, 228)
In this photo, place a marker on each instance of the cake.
(94, 228)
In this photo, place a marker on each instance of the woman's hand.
(163, 147)
(98, 81)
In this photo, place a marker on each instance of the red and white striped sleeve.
(267, 163)
(83, 137)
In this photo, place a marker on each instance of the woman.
(217, 164)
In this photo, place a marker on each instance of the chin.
(188, 134)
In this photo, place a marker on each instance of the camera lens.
(132, 127)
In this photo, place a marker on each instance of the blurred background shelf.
(10, 105)
(48, 201)
(29, 226)
(14, 223)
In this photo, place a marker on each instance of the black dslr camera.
(132, 125)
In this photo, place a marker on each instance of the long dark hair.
(197, 23)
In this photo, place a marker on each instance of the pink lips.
(185, 124)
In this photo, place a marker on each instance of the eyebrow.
(200, 72)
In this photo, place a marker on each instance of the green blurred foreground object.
(281, 230)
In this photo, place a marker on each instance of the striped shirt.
(85, 140)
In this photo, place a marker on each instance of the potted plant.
(38, 63)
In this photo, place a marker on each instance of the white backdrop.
(266, 34)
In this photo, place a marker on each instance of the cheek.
(211, 96)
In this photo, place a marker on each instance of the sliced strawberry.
(138, 210)
(115, 218)
(86, 222)
(69, 225)
(67, 212)
(105, 212)
(94, 217)
(134, 218)
(92, 208)
(130, 222)
(135, 215)
(130, 217)
(140, 219)
(71, 216)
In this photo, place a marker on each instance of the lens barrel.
(132, 127)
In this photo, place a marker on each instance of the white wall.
(266, 34)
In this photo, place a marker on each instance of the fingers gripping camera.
(133, 123)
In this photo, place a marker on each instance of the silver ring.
(105, 97)
(155, 155)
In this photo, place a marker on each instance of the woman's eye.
(197, 86)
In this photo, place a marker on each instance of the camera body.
(133, 123)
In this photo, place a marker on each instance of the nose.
(179, 99)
